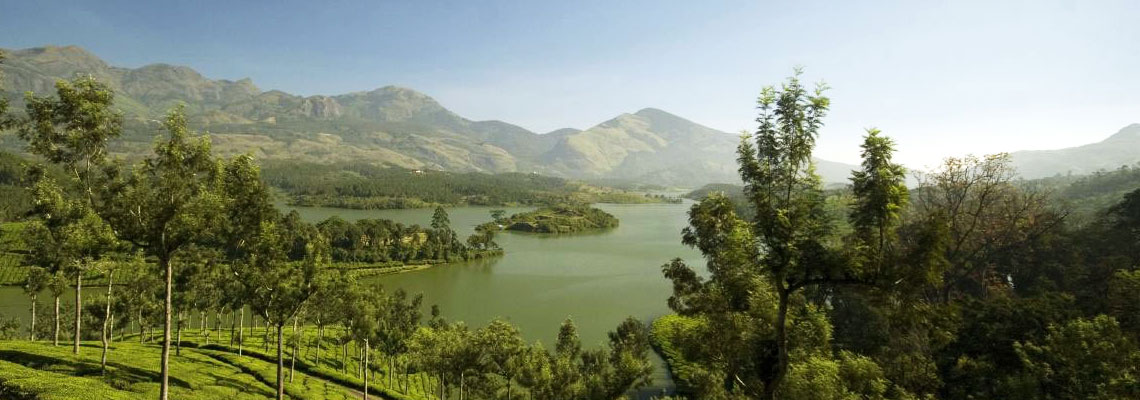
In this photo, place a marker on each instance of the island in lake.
(560, 219)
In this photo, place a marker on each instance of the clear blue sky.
(943, 78)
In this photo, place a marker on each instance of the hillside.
(389, 126)
(1120, 149)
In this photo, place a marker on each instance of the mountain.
(387, 126)
(1120, 149)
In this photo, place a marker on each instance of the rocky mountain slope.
(387, 126)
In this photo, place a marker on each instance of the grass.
(38, 370)
(328, 367)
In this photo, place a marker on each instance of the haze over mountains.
(401, 127)
(1120, 149)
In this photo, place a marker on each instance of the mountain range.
(1120, 149)
(401, 127)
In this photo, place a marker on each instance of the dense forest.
(366, 186)
(374, 241)
(972, 285)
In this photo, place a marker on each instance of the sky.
(943, 78)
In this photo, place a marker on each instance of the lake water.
(597, 279)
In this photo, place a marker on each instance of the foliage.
(1082, 359)
(365, 186)
(560, 219)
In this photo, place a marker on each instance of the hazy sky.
(943, 78)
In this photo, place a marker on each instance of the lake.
(597, 279)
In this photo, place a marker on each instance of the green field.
(38, 370)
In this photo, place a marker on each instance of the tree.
(881, 195)
(278, 259)
(164, 204)
(399, 319)
(67, 237)
(759, 268)
(56, 286)
(1124, 300)
(1082, 359)
(498, 215)
(987, 218)
(72, 130)
(502, 350)
(38, 280)
(439, 219)
(629, 357)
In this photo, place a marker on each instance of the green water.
(598, 279)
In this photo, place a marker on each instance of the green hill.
(390, 126)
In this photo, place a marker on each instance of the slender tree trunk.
(265, 338)
(201, 326)
(178, 341)
(233, 325)
(32, 329)
(293, 357)
(164, 389)
(280, 366)
(78, 309)
(391, 369)
(317, 359)
(111, 329)
(55, 331)
(441, 387)
(365, 369)
(241, 330)
(218, 324)
(107, 324)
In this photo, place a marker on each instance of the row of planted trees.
(194, 233)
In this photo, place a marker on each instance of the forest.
(973, 284)
(365, 186)
(559, 219)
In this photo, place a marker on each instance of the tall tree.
(880, 197)
(72, 130)
(760, 267)
(278, 259)
(38, 280)
(165, 203)
(502, 350)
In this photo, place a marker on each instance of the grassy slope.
(41, 371)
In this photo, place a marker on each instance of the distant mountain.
(1120, 149)
(387, 126)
